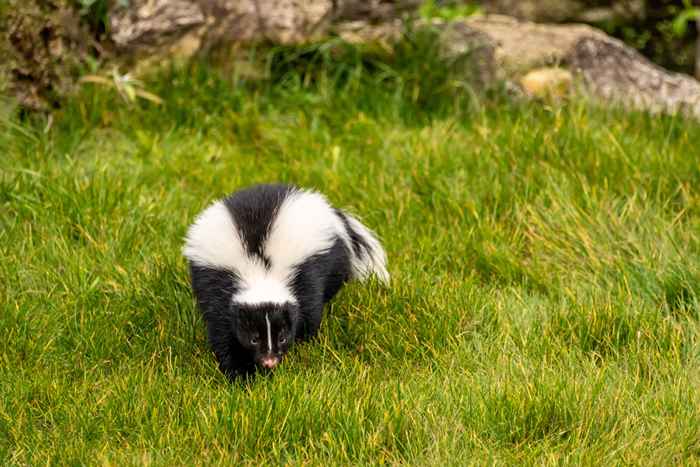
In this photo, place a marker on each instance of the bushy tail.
(367, 255)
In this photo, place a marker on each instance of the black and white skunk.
(263, 263)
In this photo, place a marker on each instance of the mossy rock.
(45, 46)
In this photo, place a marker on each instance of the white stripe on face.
(269, 334)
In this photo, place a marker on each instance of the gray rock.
(613, 71)
(557, 11)
(520, 46)
(606, 68)
(151, 24)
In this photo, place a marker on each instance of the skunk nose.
(270, 361)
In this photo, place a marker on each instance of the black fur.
(316, 282)
(231, 327)
(253, 211)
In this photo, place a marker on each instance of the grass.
(545, 260)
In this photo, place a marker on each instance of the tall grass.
(546, 277)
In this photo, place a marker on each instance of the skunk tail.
(366, 253)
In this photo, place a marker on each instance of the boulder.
(613, 71)
(605, 68)
(153, 25)
(557, 11)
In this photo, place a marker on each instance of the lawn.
(545, 265)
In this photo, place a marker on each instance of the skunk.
(263, 263)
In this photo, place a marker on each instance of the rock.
(607, 69)
(43, 45)
(534, 10)
(149, 25)
(373, 11)
(614, 71)
(185, 27)
(520, 46)
(362, 32)
(547, 82)
(460, 39)
(557, 11)
(153, 21)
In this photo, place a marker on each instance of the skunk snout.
(270, 361)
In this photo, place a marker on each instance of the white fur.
(375, 260)
(304, 225)
(269, 334)
(264, 288)
(213, 240)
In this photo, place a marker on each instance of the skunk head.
(265, 331)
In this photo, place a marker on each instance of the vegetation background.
(546, 278)
(663, 30)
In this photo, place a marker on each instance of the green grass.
(545, 275)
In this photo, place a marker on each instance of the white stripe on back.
(213, 241)
(305, 224)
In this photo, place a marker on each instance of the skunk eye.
(254, 341)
